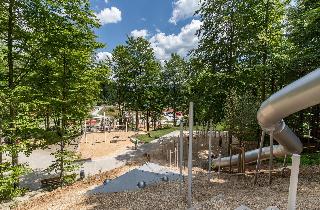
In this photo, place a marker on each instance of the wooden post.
(230, 154)
(167, 152)
(85, 130)
(219, 168)
(210, 138)
(104, 127)
(190, 155)
(126, 124)
(170, 158)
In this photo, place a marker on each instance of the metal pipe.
(181, 154)
(271, 157)
(259, 157)
(293, 182)
(190, 155)
(251, 156)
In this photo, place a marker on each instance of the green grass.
(305, 159)
(155, 134)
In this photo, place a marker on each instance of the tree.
(70, 73)
(241, 112)
(135, 70)
(174, 81)
(304, 37)
(19, 38)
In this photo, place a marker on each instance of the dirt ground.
(229, 192)
(97, 147)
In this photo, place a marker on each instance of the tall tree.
(174, 75)
(136, 70)
(18, 35)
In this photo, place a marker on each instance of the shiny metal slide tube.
(299, 95)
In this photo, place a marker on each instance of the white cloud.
(109, 15)
(183, 9)
(106, 1)
(139, 33)
(103, 56)
(164, 45)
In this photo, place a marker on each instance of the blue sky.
(169, 25)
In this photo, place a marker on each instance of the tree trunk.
(137, 120)
(1, 174)
(148, 125)
(265, 54)
(63, 122)
(10, 76)
(174, 117)
(47, 120)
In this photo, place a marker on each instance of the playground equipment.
(299, 95)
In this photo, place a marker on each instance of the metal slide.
(299, 95)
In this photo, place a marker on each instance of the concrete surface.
(149, 173)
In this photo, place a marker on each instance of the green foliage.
(174, 83)
(65, 166)
(241, 111)
(10, 176)
(48, 77)
(137, 80)
(221, 126)
(305, 159)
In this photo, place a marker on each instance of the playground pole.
(85, 131)
(170, 158)
(181, 154)
(293, 182)
(259, 157)
(104, 127)
(219, 169)
(175, 156)
(190, 155)
(271, 157)
(210, 138)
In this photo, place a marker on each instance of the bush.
(10, 176)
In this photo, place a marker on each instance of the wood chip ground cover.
(228, 193)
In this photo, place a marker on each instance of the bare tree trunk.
(148, 125)
(47, 120)
(11, 75)
(63, 122)
(265, 54)
(137, 120)
(1, 173)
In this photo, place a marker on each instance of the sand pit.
(97, 147)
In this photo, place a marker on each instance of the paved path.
(39, 160)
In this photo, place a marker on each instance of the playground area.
(199, 169)
(101, 144)
(228, 192)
